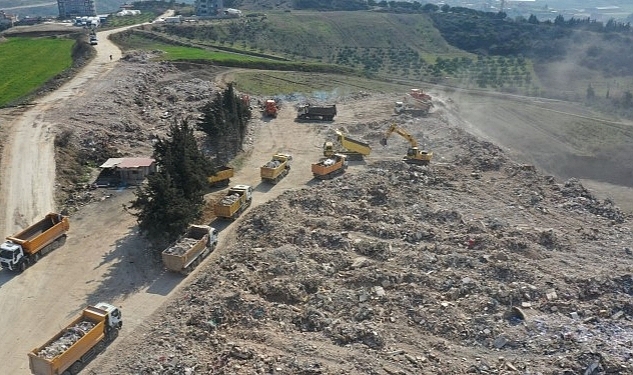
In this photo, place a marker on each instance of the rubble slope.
(474, 265)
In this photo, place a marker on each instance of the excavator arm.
(395, 129)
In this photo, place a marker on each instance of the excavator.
(414, 154)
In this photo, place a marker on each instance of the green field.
(46, 58)
(137, 40)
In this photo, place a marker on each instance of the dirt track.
(104, 257)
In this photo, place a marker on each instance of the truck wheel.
(113, 334)
(66, 373)
(22, 267)
(36, 258)
(76, 367)
(100, 346)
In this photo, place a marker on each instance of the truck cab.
(242, 189)
(114, 319)
(12, 256)
(213, 237)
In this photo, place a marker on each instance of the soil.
(482, 262)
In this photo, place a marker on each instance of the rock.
(551, 294)
(500, 342)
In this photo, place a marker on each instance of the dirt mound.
(477, 266)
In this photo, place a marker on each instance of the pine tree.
(225, 119)
(173, 196)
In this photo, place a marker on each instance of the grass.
(46, 58)
(140, 40)
(313, 85)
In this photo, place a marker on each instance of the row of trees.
(174, 196)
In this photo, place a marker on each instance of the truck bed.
(38, 228)
(326, 166)
(356, 146)
(228, 205)
(177, 257)
(70, 344)
(222, 176)
(42, 233)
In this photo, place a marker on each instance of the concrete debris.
(229, 199)
(426, 261)
(182, 246)
(68, 338)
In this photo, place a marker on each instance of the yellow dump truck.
(353, 148)
(328, 168)
(236, 200)
(76, 344)
(27, 246)
(222, 177)
(189, 250)
(276, 169)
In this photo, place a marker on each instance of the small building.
(125, 171)
(174, 19)
(232, 13)
(7, 20)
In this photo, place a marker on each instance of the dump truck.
(353, 149)
(76, 344)
(236, 200)
(328, 168)
(415, 103)
(314, 112)
(29, 245)
(270, 108)
(190, 249)
(222, 177)
(276, 169)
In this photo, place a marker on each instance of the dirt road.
(38, 301)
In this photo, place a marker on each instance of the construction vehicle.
(329, 168)
(415, 103)
(29, 245)
(236, 200)
(354, 149)
(222, 176)
(76, 344)
(414, 154)
(190, 249)
(276, 169)
(313, 112)
(270, 108)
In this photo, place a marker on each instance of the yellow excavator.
(414, 154)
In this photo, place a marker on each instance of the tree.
(173, 196)
(225, 119)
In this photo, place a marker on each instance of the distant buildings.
(7, 20)
(76, 8)
(209, 8)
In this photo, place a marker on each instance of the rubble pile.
(70, 336)
(272, 164)
(182, 246)
(228, 200)
(477, 266)
(154, 94)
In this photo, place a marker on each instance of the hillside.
(481, 262)
(474, 264)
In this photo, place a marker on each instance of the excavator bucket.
(383, 141)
